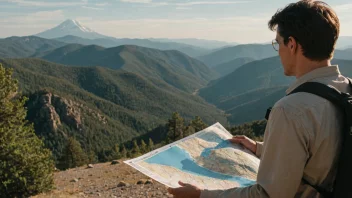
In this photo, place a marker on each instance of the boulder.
(114, 162)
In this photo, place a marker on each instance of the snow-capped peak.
(70, 27)
(71, 24)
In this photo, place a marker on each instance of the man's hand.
(186, 191)
(245, 141)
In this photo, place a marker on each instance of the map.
(205, 159)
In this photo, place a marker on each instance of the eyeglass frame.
(274, 43)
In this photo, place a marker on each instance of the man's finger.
(181, 183)
(173, 191)
(237, 141)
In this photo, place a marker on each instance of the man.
(302, 137)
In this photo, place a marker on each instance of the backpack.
(342, 187)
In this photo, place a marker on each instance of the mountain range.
(113, 42)
(246, 93)
(224, 55)
(110, 106)
(172, 67)
(124, 91)
(207, 44)
(72, 31)
(17, 47)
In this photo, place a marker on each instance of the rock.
(122, 184)
(74, 180)
(90, 166)
(114, 162)
(149, 181)
(140, 182)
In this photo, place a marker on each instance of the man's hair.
(313, 24)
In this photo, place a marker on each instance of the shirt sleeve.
(283, 159)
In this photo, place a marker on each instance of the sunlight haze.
(232, 21)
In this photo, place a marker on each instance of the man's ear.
(292, 44)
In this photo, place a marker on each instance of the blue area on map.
(224, 144)
(180, 159)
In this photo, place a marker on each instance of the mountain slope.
(229, 67)
(190, 50)
(345, 54)
(260, 74)
(19, 47)
(255, 51)
(207, 44)
(70, 27)
(246, 93)
(172, 67)
(107, 106)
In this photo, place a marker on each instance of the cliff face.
(56, 118)
(51, 111)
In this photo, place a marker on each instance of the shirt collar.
(317, 73)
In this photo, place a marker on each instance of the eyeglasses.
(275, 45)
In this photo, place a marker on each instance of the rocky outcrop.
(50, 111)
(47, 114)
(68, 111)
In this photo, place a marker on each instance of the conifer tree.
(150, 145)
(143, 147)
(175, 127)
(135, 149)
(189, 130)
(73, 155)
(123, 152)
(25, 166)
(198, 124)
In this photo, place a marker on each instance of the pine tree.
(150, 145)
(135, 149)
(116, 152)
(198, 124)
(25, 166)
(189, 130)
(175, 127)
(143, 147)
(123, 152)
(73, 155)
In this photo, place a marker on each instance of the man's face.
(286, 56)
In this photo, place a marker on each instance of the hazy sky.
(226, 20)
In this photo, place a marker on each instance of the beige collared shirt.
(302, 140)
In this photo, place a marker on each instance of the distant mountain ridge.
(114, 42)
(255, 51)
(173, 67)
(344, 42)
(19, 47)
(228, 67)
(208, 44)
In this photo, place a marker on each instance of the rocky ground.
(105, 180)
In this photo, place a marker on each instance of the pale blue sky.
(227, 20)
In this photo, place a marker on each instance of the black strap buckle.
(268, 111)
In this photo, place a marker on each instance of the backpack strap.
(333, 95)
(325, 91)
